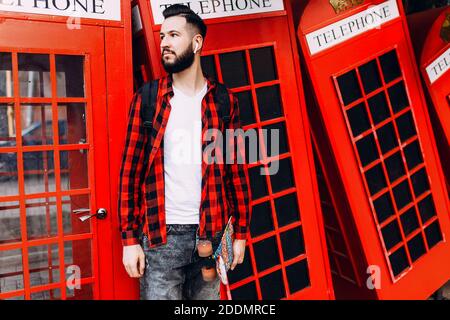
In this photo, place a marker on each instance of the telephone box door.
(53, 162)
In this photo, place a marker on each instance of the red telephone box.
(253, 54)
(374, 119)
(434, 56)
(62, 80)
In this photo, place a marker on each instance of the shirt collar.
(166, 86)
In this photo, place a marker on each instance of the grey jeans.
(173, 271)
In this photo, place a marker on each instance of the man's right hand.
(134, 260)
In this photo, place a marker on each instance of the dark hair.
(191, 17)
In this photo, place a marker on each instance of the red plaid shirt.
(224, 187)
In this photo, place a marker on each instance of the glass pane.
(275, 139)
(375, 179)
(245, 292)
(272, 286)
(416, 247)
(358, 119)
(72, 123)
(367, 150)
(389, 66)
(402, 195)
(269, 102)
(287, 209)
(71, 221)
(261, 221)
(34, 75)
(209, 66)
(292, 243)
(234, 69)
(427, 209)
(246, 109)
(420, 182)
(433, 234)
(46, 295)
(8, 174)
(349, 87)
(78, 253)
(397, 96)
(266, 254)
(394, 167)
(36, 125)
(263, 64)
(39, 173)
(399, 261)
(370, 77)
(86, 292)
(258, 183)
(74, 169)
(6, 79)
(298, 276)
(383, 207)
(413, 155)
(44, 264)
(70, 76)
(409, 221)
(387, 138)
(41, 218)
(283, 178)
(11, 271)
(9, 222)
(391, 235)
(379, 108)
(7, 126)
(406, 126)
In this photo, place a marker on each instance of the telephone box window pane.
(367, 150)
(78, 253)
(298, 276)
(86, 292)
(70, 76)
(71, 222)
(399, 261)
(263, 64)
(74, 169)
(420, 182)
(416, 247)
(269, 102)
(397, 96)
(245, 292)
(257, 183)
(6, 78)
(9, 223)
(349, 87)
(252, 155)
(9, 185)
(266, 254)
(402, 195)
(383, 207)
(391, 235)
(283, 179)
(234, 69)
(370, 77)
(41, 218)
(209, 66)
(389, 66)
(72, 123)
(287, 209)
(39, 171)
(433, 234)
(7, 126)
(11, 270)
(34, 75)
(261, 221)
(272, 286)
(46, 295)
(406, 127)
(36, 125)
(379, 108)
(409, 221)
(246, 108)
(387, 138)
(275, 139)
(242, 271)
(375, 179)
(427, 209)
(394, 167)
(292, 243)
(413, 155)
(358, 119)
(44, 264)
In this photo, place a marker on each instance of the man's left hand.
(238, 252)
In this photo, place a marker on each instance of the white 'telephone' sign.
(352, 26)
(208, 9)
(439, 66)
(94, 9)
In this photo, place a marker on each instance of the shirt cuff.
(240, 233)
(130, 238)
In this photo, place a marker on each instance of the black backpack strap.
(149, 96)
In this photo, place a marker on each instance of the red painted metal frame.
(326, 66)
(103, 44)
(439, 91)
(277, 30)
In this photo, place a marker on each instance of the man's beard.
(182, 61)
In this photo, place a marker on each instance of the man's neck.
(191, 80)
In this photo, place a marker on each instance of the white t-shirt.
(182, 158)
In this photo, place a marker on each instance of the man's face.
(176, 45)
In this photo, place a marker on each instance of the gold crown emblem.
(343, 5)
(445, 30)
